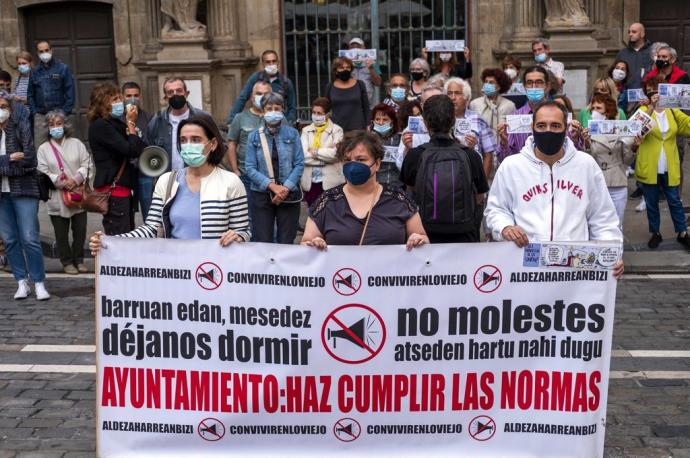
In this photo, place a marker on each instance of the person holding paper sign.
(657, 166)
(605, 87)
(492, 106)
(537, 83)
(665, 65)
(551, 191)
(451, 64)
(362, 211)
(385, 124)
(368, 71)
(618, 72)
(613, 153)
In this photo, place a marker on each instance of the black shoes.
(637, 193)
(656, 240)
(684, 240)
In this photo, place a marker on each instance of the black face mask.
(343, 75)
(548, 142)
(661, 63)
(177, 101)
(416, 76)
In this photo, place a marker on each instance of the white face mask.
(4, 114)
(511, 72)
(596, 116)
(618, 74)
(271, 69)
(318, 120)
(45, 57)
(445, 56)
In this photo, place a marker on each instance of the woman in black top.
(113, 145)
(348, 96)
(363, 212)
(451, 64)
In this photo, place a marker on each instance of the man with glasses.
(537, 85)
(551, 191)
(162, 130)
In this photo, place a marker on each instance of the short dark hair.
(550, 103)
(511, 60)
(44, 41)
(388, 111)
(269, 51)
(338, 61)
(537, 68)
(609, 72)
(354, 138)
(503, 80)
(566, 101)
(439, 114)
(5, 76)
(322, 102)
(210, 127)
(131, 85)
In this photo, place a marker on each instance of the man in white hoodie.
(551, 191)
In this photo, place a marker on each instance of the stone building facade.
(122, 40)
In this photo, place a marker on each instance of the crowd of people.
(430, 163)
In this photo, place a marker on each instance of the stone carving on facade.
(180, 19)
(565, 13)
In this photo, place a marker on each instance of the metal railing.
(316, 29)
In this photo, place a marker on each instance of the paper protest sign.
(415, 124)
(445, 45)
(614, 127)
(358, 55)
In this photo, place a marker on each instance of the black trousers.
(265, 216)
(120, 216)
(70, 254)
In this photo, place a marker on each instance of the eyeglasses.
(535, 83)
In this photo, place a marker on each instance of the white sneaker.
(23, 290)
(642, 206)
(41, 292)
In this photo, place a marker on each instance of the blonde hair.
(609, 84)
(26, 55)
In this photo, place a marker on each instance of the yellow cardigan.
(650, 148)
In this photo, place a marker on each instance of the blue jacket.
(51, 86)
(281, 85)
(290, 159)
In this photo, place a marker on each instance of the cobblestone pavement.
(52, 414)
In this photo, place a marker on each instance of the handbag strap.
(119, 174)
(57, 156)
(267, 154)
(366, 223)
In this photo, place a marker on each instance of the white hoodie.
(568, 202)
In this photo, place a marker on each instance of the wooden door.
(81, 35)
(669, 21)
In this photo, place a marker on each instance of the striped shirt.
(21, 86)
(223, 207)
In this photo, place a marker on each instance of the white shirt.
(557, 68)
(662, 122)
(3, 151)
(177, 162)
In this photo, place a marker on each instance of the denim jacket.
(51, 87)
(290, 159)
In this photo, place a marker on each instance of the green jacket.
(650, 148)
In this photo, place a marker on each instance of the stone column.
(224, 30)
(523, 23)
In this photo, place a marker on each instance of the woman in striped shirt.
(203, 201)
(21, 86)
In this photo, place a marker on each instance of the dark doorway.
(669, 21)
(81, 35)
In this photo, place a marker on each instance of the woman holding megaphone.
(186, 204)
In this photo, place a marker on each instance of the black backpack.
(444, 190)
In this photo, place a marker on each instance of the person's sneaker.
(654, 241)
(70, 269)
(637, 193)
(684, 240)
(23, 289)
(642, 206)
(41, 292)
(81, 268)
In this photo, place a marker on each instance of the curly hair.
(353, 139)
(610, 70)
(406, 110)
(99, 102)
(652, 84)
(610, 106)
(503, 80)
(388, 111)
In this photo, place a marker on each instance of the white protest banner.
(479, 350)
(635, 95)
(358, 55)
(614, 127)
(522, 124)
(415, 124)
(445, 45)
(674, 96)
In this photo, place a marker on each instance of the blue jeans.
(651, 198)
(19, 229)
(145, 194)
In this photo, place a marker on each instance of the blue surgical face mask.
(356, 173)
(117, 109)
(257, 101)
(535, 94)
(24, 68)
(398, 93)
(57, 132)
(273, 117)
(540, 58)
(193, 154)
(382, 129)
(489, 89)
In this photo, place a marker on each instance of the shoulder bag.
(97, 201)
(73, 198)
(294, 196)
